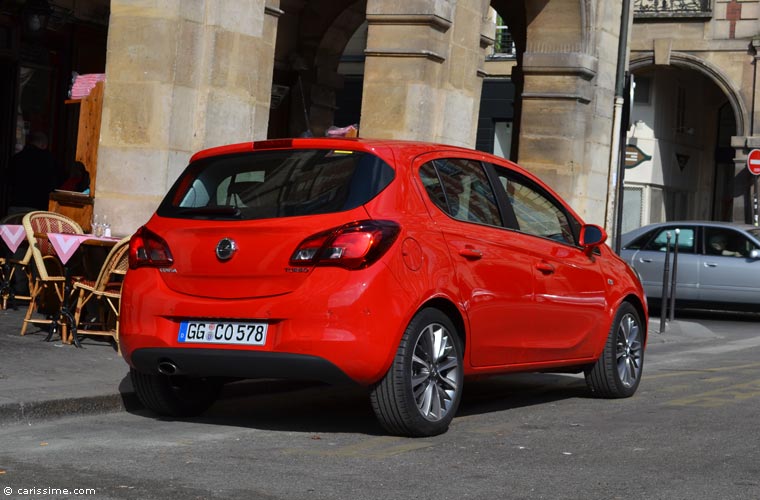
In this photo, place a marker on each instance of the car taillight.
(146, 248)
(353, 246)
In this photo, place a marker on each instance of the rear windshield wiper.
(223, 211)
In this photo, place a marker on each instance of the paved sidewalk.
(41, 380)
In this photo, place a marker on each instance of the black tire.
(617, 372)
(420, 393)
(175, 396)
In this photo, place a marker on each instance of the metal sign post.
(665, 276)
(753, 164)
(673, 279)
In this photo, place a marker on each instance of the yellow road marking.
(681, 373)
(721, 397)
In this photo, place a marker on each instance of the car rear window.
(272, 184)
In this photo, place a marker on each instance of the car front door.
(728, 272)
(569, 300)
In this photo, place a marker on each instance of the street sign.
(753, 161)
(634, 156)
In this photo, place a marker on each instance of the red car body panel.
(522, 302)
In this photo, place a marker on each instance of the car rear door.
(493, 275)
(647, 256)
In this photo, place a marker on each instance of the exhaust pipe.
(167, 368)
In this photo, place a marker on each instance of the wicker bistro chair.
(106, 291)
(12, 268)
(15, 266)
(49, 281)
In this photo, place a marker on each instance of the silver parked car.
(718, 262)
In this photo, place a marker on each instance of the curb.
(127, 401)
(40, 411)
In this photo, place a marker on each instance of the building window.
(502, 139)
(504, 44)
(656, 205)
(681, 110)
(641, 89)
(672, 8)
(633, 208)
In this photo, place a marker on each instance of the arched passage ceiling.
(320, 26)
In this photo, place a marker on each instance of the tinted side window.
(537, 213)
(640, 242)
(433, 186)
(727, 242)
(686, 240)
(461, 189)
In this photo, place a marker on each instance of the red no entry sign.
(753, 161)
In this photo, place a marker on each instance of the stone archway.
(311, 38)
(328, 57)
(729, 196)
(714, 73)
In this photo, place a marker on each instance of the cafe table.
(12, 235)
(66, 246)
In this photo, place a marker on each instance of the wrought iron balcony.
(664, 9)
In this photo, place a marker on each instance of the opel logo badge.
(225, 248)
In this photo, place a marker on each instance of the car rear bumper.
(342, 322)
(237, 364)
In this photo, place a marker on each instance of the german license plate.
(222, 332)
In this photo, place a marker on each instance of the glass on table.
(105, 227)
(96, 225)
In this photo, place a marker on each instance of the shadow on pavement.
(318, 408)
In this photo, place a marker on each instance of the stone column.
(568, 96)
(180, 76)
(421, 79)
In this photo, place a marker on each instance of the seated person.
(78, 180)
(718, 244)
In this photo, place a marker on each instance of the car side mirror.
(754, 254)
(592, 236)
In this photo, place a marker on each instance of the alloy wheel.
(629, 350)
(435, 379)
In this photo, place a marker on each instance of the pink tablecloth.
(13, 235)
(66, 245)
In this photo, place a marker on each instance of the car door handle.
(545, 267)
(711, 264)
(471, 253)
(648, 261)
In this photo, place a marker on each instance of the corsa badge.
(225, 248)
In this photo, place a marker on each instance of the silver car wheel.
(435, 379)
(619, 368)
(629, 350)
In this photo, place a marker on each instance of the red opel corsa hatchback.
(401, 266)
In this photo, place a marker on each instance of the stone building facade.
(695, 111)
(185, 75)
